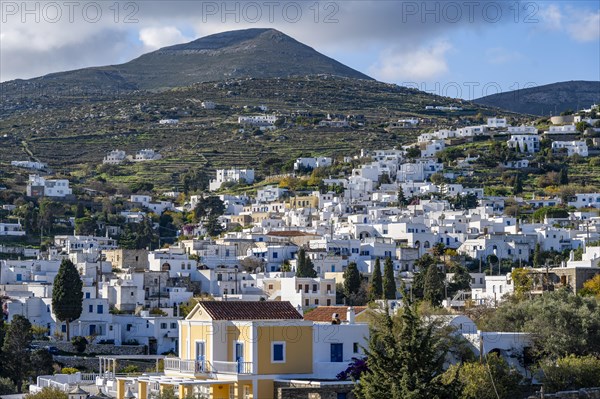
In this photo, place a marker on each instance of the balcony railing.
(232, 367)
(206, 367)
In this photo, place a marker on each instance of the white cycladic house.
(269, 194)
(29, 165)
(591, 200)
(37, 186)
(572, 147)
(114, 157)
(564, 129)
(146, 155)
(257, 120)
(231, 175)
(522, 129)
(312, 163)
(529, 143)
(11, 229)
(471, 131)
(496, 122)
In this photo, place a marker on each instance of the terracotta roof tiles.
(250, 310)
(323, 314)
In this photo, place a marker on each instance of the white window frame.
(282, 343)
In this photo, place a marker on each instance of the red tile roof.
(250, 310)
(323, 314)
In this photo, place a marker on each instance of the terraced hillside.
(81, 133)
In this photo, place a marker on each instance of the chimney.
(335, 318)
(350, 315)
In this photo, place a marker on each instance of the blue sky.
(456, 48)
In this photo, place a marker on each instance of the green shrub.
(69, 370)
(131, 368)
(7, 387)
(571, 372)
(79, 343)
(48, 393)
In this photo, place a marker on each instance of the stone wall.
(589, 393)
(97, 349)
(312, 390)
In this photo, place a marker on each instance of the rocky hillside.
(547, 100)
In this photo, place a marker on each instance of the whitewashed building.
(115, 157)
(578, 147)
(590, 200)
(312, 163)
(231, 175)
(526, 143)
(38, 186)
(496, 122)
(146, 155)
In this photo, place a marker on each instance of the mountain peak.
(230, 38)
(250, 53)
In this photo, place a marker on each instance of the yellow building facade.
(235, 350)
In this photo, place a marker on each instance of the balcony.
(197, 367)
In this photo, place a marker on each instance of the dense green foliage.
(461, 280)
(491, 379)
(405, 359)
(570, 373)
(48, 393)
(42, 362)
(561, 323)
(16, 358)
(79, 343)
(433, 286)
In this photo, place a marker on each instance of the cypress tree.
(389, 282)
(563, 176)
(433, 289)
(376, 290)
(537, 255)
(67, 294)
(352, 279)
(402, 201)
(518, 185)
(304, 266)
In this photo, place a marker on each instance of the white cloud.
(584, 27)
(421, 63)
(157, 37)
(551, 17)
(500, 55)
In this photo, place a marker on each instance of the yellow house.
(256, 350)
(234, 349)
(304, 201)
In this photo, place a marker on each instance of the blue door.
(200, 355)
(239, 355)
(337, 352)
